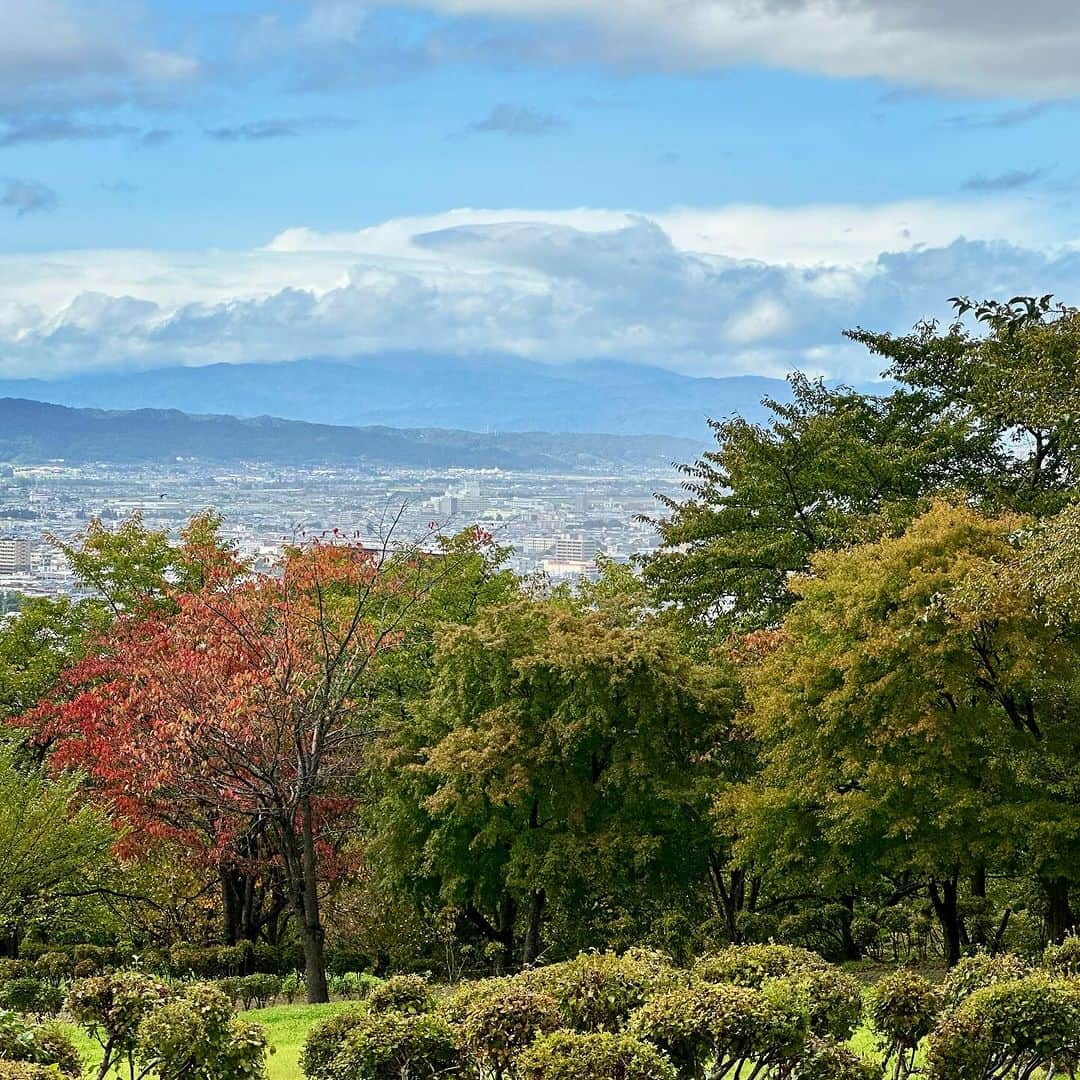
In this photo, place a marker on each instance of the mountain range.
(34, 431)
(411, 390)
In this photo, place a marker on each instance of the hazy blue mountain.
(409, 390)
(33, 431)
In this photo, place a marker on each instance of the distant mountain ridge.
(34, 431)
(413, 390)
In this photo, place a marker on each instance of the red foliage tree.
(243, 712)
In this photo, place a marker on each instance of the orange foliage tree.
(243, 711)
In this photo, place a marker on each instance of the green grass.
(286, 1029)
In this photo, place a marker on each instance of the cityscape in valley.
(557, 525)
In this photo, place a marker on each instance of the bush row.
(765, 1011)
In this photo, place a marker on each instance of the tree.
(38, 644)
(53, 845)
(1017, 386)
(565, 764)
(907, 710)
(243, 706)
(830, 468)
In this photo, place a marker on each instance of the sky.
(714, 186)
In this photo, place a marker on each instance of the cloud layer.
(963, 46)
(683, 289)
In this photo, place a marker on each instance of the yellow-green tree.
(912, 713)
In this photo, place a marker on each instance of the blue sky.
(718, 186)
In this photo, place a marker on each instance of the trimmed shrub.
(23, 1070)
(599, 991)
(1009, 1029)
(826, 1059)
(982, 969)
(1063, 959)
(831, 1000)
(211, 962)
(55, 1048)
(409, 994)
(903, 1007)
(111, 1008)
(54, 967)
(751, 965)
(720, 1025)
(353, 985)
(23, 1042)
(258, 991)
(501, 1023)
(292, 986)
(29, 994)
(566, 1055)
(324, 1040)
(393, 1046)
(196, 1037)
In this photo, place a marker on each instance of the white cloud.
(727, 290)
(965, 46)
(60, 53)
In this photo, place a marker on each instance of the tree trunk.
(1059, 914)
(944, 899)
(849, 945)
(230, 904)
(311, 921)
(531, 948)
(507, 922)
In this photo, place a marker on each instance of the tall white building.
(574, 549)
(14, 555)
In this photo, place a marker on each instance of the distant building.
(574, 549)
(14, 555)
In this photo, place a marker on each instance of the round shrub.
(457, 1005)
(23, 1042)
(54, 967)
(1063, 959)
(29, 994)
(111, 1007)
(599, 991)
(23, 1070)
(903, 1008)
(323, 1042)
(826, 1059)
(196, 1037)
(721, 1025)
(982, 969)
(830, 998)
(566, 1055)
(751, 965)
(500, 1024)
(1020, 1026)
(55, 1048)
(258, 991)
(408, 994)
(394, 1046)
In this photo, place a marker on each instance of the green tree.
(831, 467)
(564, 764)
(910, 715)
(1014, 380)
(53, 845)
